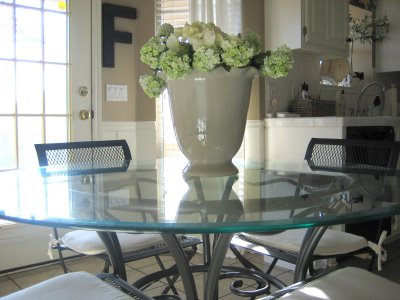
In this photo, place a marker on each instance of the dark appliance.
(369, 229)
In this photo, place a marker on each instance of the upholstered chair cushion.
(70, 286)
(333, 242)
(89, 243)
(347, 284)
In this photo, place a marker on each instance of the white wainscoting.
(254, 141)
(141, 138)
(22, 245)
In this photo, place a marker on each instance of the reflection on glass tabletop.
(162, 198)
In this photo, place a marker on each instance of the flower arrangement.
(204, 47)
(368, 29)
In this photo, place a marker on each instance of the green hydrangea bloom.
(151, 51)
(165, 30)
(200, 46)
(175, 65)
(206, 59)
(236, 52)
(152, 85)
(278, 63)
(253, 40)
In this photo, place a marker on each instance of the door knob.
(84, 115)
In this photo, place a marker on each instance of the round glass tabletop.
(163, 199)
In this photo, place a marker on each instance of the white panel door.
(45, 57)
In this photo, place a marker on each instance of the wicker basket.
(314, 108)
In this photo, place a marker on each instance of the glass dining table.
(165, 198)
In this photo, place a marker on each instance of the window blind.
(175, 12)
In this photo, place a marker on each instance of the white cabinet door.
(320, 26)
(338, 26)
(315, 26)
(326, 26)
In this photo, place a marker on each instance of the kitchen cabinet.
(320, 26)
(387, 51)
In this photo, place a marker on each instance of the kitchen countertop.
(332, 121)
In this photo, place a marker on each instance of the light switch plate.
(116, 92)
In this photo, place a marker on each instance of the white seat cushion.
(333, 242)
(347, 284)
(76, 286)
(89, 243)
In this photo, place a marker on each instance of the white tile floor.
(13, 282)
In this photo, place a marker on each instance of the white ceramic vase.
(209, 112)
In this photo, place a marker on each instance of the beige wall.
(128, 66)
(253, 18)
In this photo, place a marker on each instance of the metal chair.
(345, 284)
(355, 156)
(91, 157)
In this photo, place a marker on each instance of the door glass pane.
(55, 5)
(56, 129)
(34, 77)
(29, 34)
(31, 3)
(30, 132)
(6, 32)
(55, 90)
(55, 42)
(8, 157)
(7, 87)
(29, 88)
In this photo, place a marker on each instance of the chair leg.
(190, 253)
(312, 270)
(59, 250)
(169, 280)
(272, 265)
(106, 268)
(245, 262)
(372, 262)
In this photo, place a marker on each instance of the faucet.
(357, 108)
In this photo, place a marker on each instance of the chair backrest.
(85, 157)
(355, 156)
